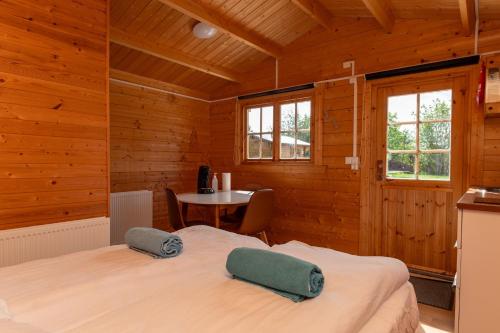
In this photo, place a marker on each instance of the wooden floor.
(435, 320)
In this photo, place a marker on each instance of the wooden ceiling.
(153, 38)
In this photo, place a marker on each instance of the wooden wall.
(491, 148)
(157, 140)
(320, 204)
(317, 204)
(53, 111)
(491, 164)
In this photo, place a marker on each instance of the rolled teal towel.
(157, 242)
(285, 275)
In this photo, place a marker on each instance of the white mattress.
(115, 289)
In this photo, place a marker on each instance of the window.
(419, 136)
(287, 120)
(260, 121)
(295, 130)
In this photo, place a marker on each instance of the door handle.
(380, 170)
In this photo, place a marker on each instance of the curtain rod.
(277, 91)
(427, 67)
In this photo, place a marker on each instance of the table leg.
(184, 212)
(217, 216)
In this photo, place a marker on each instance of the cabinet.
(478, 268)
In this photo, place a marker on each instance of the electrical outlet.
(353, 161)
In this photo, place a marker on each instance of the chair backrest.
(174, 213)
(259, 212)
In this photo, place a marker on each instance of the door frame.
(370, 240)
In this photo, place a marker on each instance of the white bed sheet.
(10, 326)
(115, 289)
(399, 314)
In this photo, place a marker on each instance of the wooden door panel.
(417, 224)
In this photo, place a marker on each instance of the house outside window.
(279, 131)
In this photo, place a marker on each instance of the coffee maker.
(204, 179)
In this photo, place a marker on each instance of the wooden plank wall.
(53, 111)
(320, 204)
(317, 204)
(491, 146)
(491, 164)
(158, 140)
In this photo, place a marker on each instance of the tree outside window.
(419, 143)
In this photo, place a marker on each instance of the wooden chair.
(257, 216)
(174, 213)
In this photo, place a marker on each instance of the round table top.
(217, 198)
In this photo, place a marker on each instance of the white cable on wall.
(276, 74)
(353, 79)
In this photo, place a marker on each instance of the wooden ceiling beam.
(202, 13)
(468, 15)
(157, 84)
(316, 11)
(123, 38)
(381, 10)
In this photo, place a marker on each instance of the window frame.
(276, 102)
(417, 151)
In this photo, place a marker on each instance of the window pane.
(253, 146)
(287, 117)
(401, 166)
(304, 138)
(253, 120)
(402, 108)
(267, 119)
(435, 105)
(267, 145)
(304, 115)
(434, 166)
(287, 145)
(303, 149)
(402, 137)
(435, 136)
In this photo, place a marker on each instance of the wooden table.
(217, 200)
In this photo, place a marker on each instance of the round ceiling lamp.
(204, 31)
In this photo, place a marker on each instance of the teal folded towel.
(156, 242)
(287, 276)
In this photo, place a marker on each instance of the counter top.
(467, 202)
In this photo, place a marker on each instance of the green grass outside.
(405, 175)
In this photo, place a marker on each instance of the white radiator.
(130, 209)
(50, 240)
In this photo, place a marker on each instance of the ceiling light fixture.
(204, 31)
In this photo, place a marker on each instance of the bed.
(115, 289)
